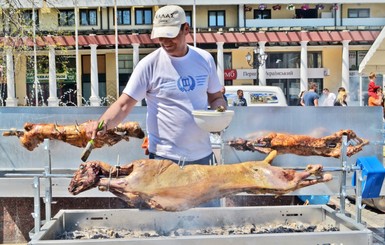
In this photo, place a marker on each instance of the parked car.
(257, 95)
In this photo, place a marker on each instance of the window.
(262, 14)
(314, 60)
(88, 17)
(292, 60)
(28, 18)
(306, 14)
(189, 17)
(124, 17)
(358, 13)
(66, 18)
(355, 58)
(143, 16)
(217, 18)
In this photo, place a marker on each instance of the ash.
(108, 233)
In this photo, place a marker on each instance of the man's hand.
(221, 109)
(95, 128)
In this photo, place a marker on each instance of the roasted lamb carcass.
(163, 185)
(303, 145)
(34, 134)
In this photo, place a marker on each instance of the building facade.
(61, 53)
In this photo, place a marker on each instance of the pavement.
(372, 218)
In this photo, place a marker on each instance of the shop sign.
(230, 74)
(247, 74)
(62, 77)
(41, 77)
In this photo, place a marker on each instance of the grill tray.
(350, 232)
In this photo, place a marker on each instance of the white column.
(241, 15)
(262, 68)
(52, 99)
(303, 67)
(11, 100)
(94, 99)
(360, 94)
(135, 58)
(79, 97)
(345, 64)
(220, 63)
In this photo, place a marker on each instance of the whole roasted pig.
(302, 145)
(164, 185)
(34, 134)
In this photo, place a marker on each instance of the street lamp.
(256, 61)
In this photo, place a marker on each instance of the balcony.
(315, 23)
(289, 22)
(363, 21)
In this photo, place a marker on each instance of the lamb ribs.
(75, 135)
(163, 185)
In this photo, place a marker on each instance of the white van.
(257, 95)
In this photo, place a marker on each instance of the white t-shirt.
(173, 88)
(329, 100)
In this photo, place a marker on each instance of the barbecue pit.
(160, 227)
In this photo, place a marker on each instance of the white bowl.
(212, 121)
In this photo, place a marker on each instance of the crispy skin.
(75, 135)
(302, 145)
(163, 185)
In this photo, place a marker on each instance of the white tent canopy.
(374, 60)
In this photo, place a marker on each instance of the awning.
(282, 38)
(374, 60)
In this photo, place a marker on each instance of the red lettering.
(230, 74)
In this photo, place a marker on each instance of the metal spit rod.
(328, 169)
(42, 175)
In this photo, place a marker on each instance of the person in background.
(175, 79)
(240, 101)
(376, 100)
(223, 91)
(300, 98)
(310, 98)
(372, 87)
(329, 97)
(341, 89)
(341, 98)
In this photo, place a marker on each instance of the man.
(175, 80)
(240, 101)
(328, 97)
(310, 98)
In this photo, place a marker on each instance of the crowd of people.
(376, 96)
(311, 97)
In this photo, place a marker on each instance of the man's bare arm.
(113, 115)
(216, 100)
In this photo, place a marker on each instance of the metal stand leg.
(36, 202)
(359, 206)
(343, 175)
(48, 182)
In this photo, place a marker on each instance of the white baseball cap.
(167, 21)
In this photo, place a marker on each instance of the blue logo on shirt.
(186, 84)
